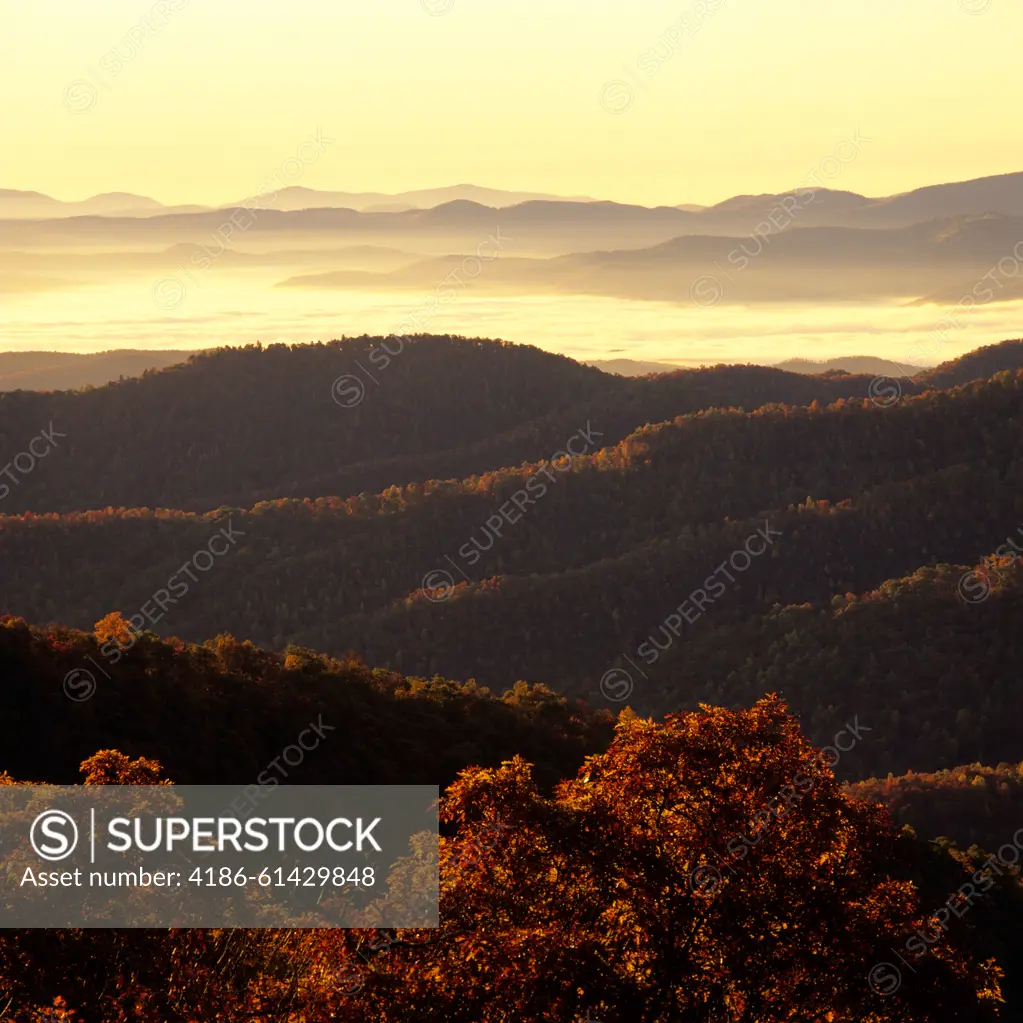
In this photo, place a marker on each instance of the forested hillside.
(972, 804)
(237, 426)
(676, 479)
(601, 583)
(222, 711)
(598, 566)
(981, 363)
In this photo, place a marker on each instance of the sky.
(650, 102)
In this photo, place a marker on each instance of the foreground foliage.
(593, 901)
(224, 712)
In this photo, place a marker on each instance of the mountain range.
(68, 371)
(1002, 193)
(574, 599)
(808, 264)
(402, 543)
(19, 205)
(934, 245)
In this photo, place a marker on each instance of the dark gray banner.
(318, 856)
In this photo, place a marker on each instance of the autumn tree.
(112, 767)
(114, 627)
(708, 868)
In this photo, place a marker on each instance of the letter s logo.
(54, 825)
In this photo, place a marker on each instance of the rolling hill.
(63, 371)
(613, 541)
(811, 263)
(687, 541)
(20, 205)
(297, 197)
(237, 426)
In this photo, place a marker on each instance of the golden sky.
(649, 102)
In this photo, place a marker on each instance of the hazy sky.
(651, 101)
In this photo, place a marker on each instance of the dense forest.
(686, 477)
(235, 426)
(862, 503)
(971, 804)
(220, 712)
(564, 597)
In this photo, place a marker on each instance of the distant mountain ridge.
(810, 263)
(632, 367)
(65, 371)
(18, 205)
(851, 364)
(298, 197)
(999, 193)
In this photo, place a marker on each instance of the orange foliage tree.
(111, 767)
(595, 903)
